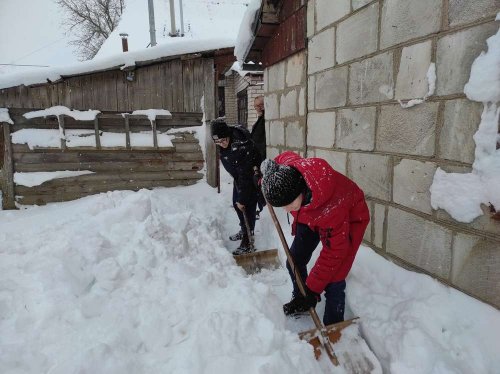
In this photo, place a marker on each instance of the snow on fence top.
(150, 113)
(245, 34)
(4, 116)
(121, 60)
(59, 110)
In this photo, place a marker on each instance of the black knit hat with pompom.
(281, 184)
(220, 129)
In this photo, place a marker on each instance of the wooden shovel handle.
(300, 283)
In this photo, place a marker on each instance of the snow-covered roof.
(208, 26)
(122, 60)
(246, 33)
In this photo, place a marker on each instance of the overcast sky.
(31, 33)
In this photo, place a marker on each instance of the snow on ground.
(143, 282)
(461, 195)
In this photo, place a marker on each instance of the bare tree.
(90, 22)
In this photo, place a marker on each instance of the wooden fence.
(117, 167)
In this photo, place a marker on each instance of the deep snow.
(143, 282)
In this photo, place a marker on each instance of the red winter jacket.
(337, 212)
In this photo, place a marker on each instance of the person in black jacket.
(239, 156)
(259, 127)
(259, 138)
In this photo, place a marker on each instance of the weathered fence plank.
(8, 170)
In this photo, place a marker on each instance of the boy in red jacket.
(327, 207)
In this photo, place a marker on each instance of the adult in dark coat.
(259, 137)
(327, 207)
(259, 128)
(239, 156)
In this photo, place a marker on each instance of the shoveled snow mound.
(128, 282)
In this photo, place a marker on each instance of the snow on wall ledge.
(461, 195)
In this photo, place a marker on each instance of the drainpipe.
(152, 31)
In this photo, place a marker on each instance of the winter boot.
(237, 236)
(295, 306)
(245, 246)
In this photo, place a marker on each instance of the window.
(242, 107)
(221, 101)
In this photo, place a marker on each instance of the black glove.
(311, 298)
(257, 178)
(301, 304)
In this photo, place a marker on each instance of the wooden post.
(155, 135)
(62, 131)
(97, 137)
(127, 131)
(8, 171)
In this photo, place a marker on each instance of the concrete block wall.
(285, 105)
(362, 57)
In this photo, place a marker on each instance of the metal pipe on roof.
(182, 18)
(173, 31)
(152, 30)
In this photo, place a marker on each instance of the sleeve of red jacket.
(336, 247)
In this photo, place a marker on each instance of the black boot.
(245, 246)
(237, 236)
(295, 306)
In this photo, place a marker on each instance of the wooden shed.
(185, 85)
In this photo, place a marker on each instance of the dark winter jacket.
(239, 159)
(259, 135)
(337, 211)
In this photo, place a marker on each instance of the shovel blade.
(256, 261)
(352, 351)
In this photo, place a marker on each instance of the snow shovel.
(255, 261)
(323, 338)
(357, 358)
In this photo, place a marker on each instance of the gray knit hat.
(281, 184)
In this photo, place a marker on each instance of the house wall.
(362, 57)
(253, 83)
(285, 105)
(235, 83)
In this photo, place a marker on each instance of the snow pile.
(38, 177)
(461, 195)
(127, 282)
(245, 34)
(4, 116)
(60, 110)
(415, 324)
